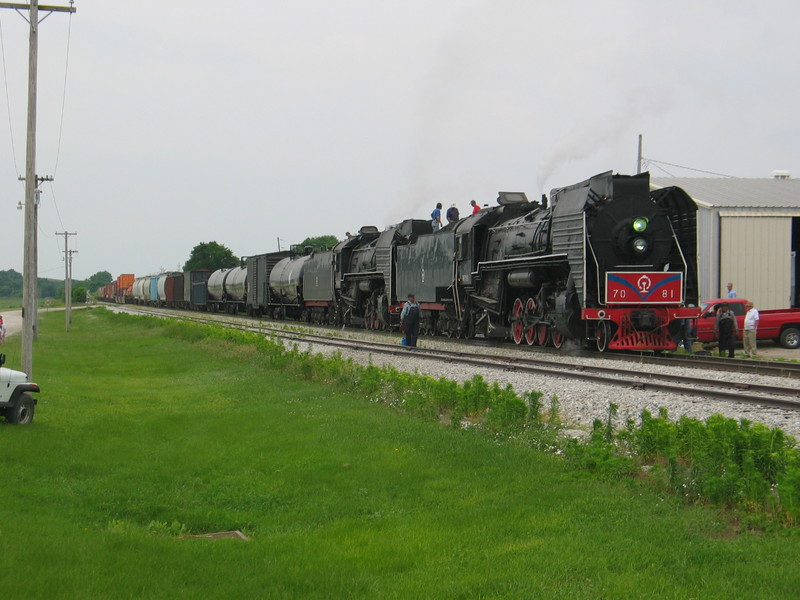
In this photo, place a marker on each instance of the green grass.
(12, 303)
(141, 436)
(7, 303)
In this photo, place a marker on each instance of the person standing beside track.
(409, 319)
(750, 328)
(725, 330)
(684, 336)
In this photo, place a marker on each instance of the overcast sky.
(244, 122)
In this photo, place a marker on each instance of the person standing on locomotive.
(409, 318)
(452, 214)
(436, 217)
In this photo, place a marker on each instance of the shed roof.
(735, 192)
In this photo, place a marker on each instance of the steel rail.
(639, 380)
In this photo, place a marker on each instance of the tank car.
(140, 284)
(286, 286)
(227, 290)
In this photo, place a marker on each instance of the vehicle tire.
(22, 411)
(790, 338)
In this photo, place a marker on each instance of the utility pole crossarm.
(69, 9)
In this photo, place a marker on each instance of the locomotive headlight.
(640, 245)
(639, 225)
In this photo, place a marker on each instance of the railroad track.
(789, 370)
(634, 377)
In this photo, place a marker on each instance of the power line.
(64, 93)
(649, 161)
(8, 103)
(55, 204)
(660, 168)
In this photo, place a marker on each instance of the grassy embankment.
(142, 436)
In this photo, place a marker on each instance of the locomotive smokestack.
(544, 200)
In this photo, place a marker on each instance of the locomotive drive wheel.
(557, 339)
(543, 331)
(22, 412)
(517, 312)
(530, 312)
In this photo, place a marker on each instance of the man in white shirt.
(750, 327)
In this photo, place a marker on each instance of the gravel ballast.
(582, 402)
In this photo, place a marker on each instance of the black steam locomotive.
(605, 262)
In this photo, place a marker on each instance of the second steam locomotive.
(605, 262)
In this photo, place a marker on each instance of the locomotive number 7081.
(649, 288)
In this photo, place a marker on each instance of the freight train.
(605, 263)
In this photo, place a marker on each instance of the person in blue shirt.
(731, 291)
(436, 217)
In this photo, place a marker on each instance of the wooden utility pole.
(29, 268)
(69, 306)
(37, 202)
(67, 276)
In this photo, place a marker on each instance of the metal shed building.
(749, 234)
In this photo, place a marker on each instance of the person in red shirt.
(475, 206)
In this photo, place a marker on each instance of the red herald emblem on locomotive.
(644, 288)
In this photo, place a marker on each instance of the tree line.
(205, 255)
(11, 285)
(213, 256)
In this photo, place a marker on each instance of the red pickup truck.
(781, 325)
